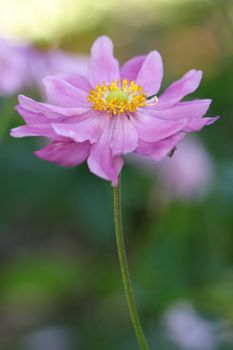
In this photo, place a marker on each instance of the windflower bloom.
(113, 112)
(189, 174)
(12, 67)
(48, 62)
(22, 65)
(187, 329)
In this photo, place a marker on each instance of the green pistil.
(117, 94)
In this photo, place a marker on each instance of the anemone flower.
(177, 178)
(12, 67)
(23, 65)
(42, 63)
(112, 112)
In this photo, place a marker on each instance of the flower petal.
(44, 130)
(50, 111)
(76, 80)
(190, 109)
(160, 149)
(180, 88)
(151, 73)
(88, 128)
(101, 162)
(151, 129)
(102, 65)
(125, 136)
(31, 117)
(130, 69)
(65, 153)
(197, 124)
(62, 93)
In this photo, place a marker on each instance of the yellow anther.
(117, 97)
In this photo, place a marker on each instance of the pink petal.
(101, 162)
(180, 88)
(151, 129)
(151, 73)
(198, 124)
(33, 130)
(75, 79)
(103, 66)
(62, 93)
(89, 128)
(31, 117)
(160, 149)
(65, 153)
(130, 69)
(189, 109)
(125, 136)
(50, 111)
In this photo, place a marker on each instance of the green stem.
(125, 270)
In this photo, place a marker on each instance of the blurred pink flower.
(23, 65)
(12, 67)
(189, 173)
(186, 328)
(112, 113)
(42, 63)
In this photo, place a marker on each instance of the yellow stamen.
(118, 97)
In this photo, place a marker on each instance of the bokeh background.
(60, 286)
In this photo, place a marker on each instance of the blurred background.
(60, 285)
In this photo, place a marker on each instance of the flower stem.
(125, 270)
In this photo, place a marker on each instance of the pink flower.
(189, 173)
(42, 63)
(22, 65)
(185, 327)
(113, 112)
(12, 67)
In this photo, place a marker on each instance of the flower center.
(117, 97)
(120, 95)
